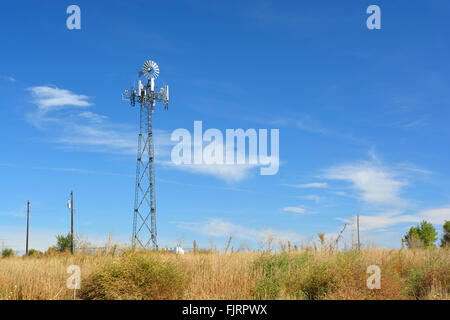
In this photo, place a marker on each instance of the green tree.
(428, 234)
(7, 252)
(63, 242)
(421, 236)
(412, 238)
(445, 241)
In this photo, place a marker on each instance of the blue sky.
(363, 117)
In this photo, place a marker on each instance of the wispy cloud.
(9, 79)
(76, 128)
(94, 117)
(309, 185)
(48, 98)
(311, 197)
(411, 123)
(220, 228)
(229, 173)
(303, 122)
(79, 129)
(409, 168)
(298, 210)
(307, 123)
(18, 213)
(374, 183)
(97, 137)
(83, 171)
(391, 218)
(339, 193)
(218, 166)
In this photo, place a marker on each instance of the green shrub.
(415, 285)
(135, 277)
(63, 243)
(267, 288)
(312, 282)
(272, 269)
(421, 279)
(7, 252)
(34, 252)
(297, 276)
(51, 251)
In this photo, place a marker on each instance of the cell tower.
(144, 219)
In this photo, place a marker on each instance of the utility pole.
(28, 225)
(357, 223)
(353, 232)
(71, 225)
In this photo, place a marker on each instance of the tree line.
(425, 236)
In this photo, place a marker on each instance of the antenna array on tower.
(144, 218)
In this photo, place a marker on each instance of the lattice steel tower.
(144, 219)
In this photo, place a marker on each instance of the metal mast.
(144, 218)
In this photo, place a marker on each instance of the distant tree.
(63, 242)
(34, 252)
(445, 241)
(421, 236)
(7, 252)
(412, 238)
(428, 234)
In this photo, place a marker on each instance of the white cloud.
(93, 116)
(339, 193)
(218, 167)
(294, 209)
(437, 215)
(220, 228)
(229, 173)
(47, 98)
(99, 137)
(392, 218)
(64, 114)
(374, 183)
(76, 128)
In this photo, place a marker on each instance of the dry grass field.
(301, 274)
